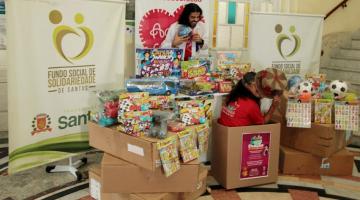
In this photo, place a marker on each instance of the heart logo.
(155, 24)
(61, 31)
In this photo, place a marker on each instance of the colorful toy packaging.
(175, 126)
(225, 86)
(158, 62)
(322, 113)
(137, 101)
(202, 138)
(346, 116)
(194, 68)
(188, 148)
(169, 155)
(318, 84)
(108, 109)
(154, 86)
(298, 114)
(161, 102)
(135, 123)
(192, 116)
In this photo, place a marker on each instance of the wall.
(342, 20)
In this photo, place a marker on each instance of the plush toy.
(270, 82)
(338, 88)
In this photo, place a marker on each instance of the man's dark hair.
(189, 8)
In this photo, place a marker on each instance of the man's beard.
(193, 24)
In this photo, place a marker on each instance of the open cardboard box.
(238, 162)
(120, 176)
(141, 151)
(295, 162)
(96, 192)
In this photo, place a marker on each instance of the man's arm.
(167, 43)
(202, 31)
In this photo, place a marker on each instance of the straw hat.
(270, 82)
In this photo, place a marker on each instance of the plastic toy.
(338, 88)
(184, 31)
(154, 86)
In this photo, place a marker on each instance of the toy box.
(245, 156)
(193, 69)
(154, 86)
(158, 62)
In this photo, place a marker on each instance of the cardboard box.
(120, 176)
(236, 162)
(321, 139)
(141, 151)
(96, 181)
(300, 163)
(138, 150)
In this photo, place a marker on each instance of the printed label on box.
(135, 149)
(255, 155)
(95, 189)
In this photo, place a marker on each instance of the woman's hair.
(240, 91)
(188, 9)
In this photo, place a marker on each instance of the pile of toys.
(181, 126)
(314, 91)
(162, 72)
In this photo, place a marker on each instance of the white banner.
(154, 17)
(59, 51)
(291, 43)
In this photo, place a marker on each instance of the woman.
(243, 105)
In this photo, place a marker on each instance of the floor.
(37, 184)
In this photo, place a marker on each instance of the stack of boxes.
(133, 166)
(319, 150)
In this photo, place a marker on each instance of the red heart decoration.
(155, 24)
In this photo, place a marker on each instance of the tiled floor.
(37, 184)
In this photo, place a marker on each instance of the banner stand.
(72, 167)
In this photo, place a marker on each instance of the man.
(193, 43)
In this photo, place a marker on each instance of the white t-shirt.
(200, 28)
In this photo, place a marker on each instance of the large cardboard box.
(140, 151)
(321, 139)
(120, 176)
(300, 163)
(245, 156)
(95, 182)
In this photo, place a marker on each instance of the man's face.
(194, 18)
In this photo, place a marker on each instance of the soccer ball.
(338, 88)
(305, 87)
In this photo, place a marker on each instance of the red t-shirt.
(243, 112)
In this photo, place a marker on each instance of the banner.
(154, 17)
(291, 43)
(59, 51)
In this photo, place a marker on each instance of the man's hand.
(196, 38)
(179, 40)
(276, 101)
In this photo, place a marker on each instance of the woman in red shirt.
(243, 105)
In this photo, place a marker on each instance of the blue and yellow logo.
(282, 37)
(61, 31)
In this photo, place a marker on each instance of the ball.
(305, 87)
(338, 88)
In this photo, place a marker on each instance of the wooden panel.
(3, 121)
